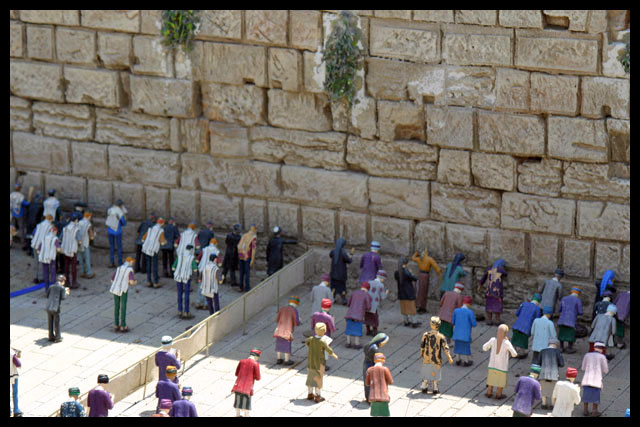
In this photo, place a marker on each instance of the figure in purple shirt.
(370, 263)
(99, 400)
(167, 389)
(570, 309)
(527, 392)
(184, 407)
(359, 302)
(167, 356)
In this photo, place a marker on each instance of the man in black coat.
(230, 263)
(275, 258)
(34, 216)
(205, 235)
(171, 233)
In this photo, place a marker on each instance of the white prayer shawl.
(183, 268)
(50, 206)
(70, 239)
(83, 232)
(120, 283)
(13, 369)
(15, 202)
(42, 230)
(206, 252)
(48, 249)
(113, 217)
(187, 237)
(209, 284)
(151, 245)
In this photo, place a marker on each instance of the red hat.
(572, 372)
(365, 285)
(325, 303)
(466, 299)
(256, 352)
(160, 221)
(459, 286)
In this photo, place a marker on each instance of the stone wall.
(498, 133)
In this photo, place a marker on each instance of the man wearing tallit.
(114, 222)
(187, 237)
(120, 281)
(203, 259)
(70, 249)
(47, 250)
(52, 206)
(210, 279)
(182, 269)
(85, 235)
(17, 204)
(151, 241)
(41, 230)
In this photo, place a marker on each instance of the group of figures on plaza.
(197, 253)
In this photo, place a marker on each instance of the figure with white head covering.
(167, 356)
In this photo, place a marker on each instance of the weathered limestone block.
(234, 64)
(400, 120)
(512, 89)
(69, 189)
(363, 118)
(40, 42)
(187, 65)
(228, 140)
(89, 159)
(116, 20)
(304, 29)
(543, 177)
(577, 257)
(16, 38)
(602, 220)
(183, 205)
(473, 45)
(511, 134)
(285, 69)
(318, 225)
(465, 205)
(586, 180)
(220, 24)
(194, 135)
(471, 241)
(99, 196)
(63, 120)
(597, 22)
(400, 159)
(575, 20)
(20, 114)
(494, 171)
(314, 72)
(164, 97)
(554, 51)
(603, 95)
(613, 256)
(619, 140)
(454, 167)
(151, 57)
(294, 147)
(98, 87)
(410, 41)
(470, 87)
(521, 18)
(157, 201)
(285, 216)
(144, 166)
(624, 271)
(611, 66)
(255, 212)
(204, 172)
(124, 127)
(395, 80)
(32, 179)
(40, 152)
(151, 21)
(508, 245)
(433, 15)
(620, 170)
(76, 46)
(450, 127)
(353, 227)
(222, 210)
(395, 14)
(403, 198)
(394, 235)
(58, 17)
(266, 26)
(554, 94)
(430, 234)
(534, 213)
(325, 188)
(577, 139)
(235, 104)
(304, 111)
(479, 17)
(114, 50)
(544, 253)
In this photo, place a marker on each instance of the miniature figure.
(60, 225)
(86, 234)
(424, 266)
(141, 259)
(167, 356)
(211, 278)
(542, 330)
(42, 230)
(121, 279)
(248, 372)
(378, 293)
(570, 309)
(168, 250)
(406, 293)
(359, 302)
(183, 268)
(370, 263)
(187, 237)
(463, 321)
(184, 407)
(319, 292)
(339, 261)
(551, 358)
(603, 328)
(164, 407)
(527, 392)
(167, 388)
(230, 263)
(17, 206)
(203, 259)
(452, 274)
(99, 400)
(287, 320)
(551, 291)
(275, 247)
(527, 312)
(72, 408)
(566, 395)
(205, 235)
(603, 304)
(69, 248)
(370, 350)
(323, 316)
(378, 377)
(151, 241)
(431, 347)
(622, 303)
(501, 348)
(47, 250)
(33, 215)
(316, 362)
(450, 301)
(114, 222)
(605, 284)
(594, 365)
(51, 205)
(495, 290)
(14, 365)
(246, 257)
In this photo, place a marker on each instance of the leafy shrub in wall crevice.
(179, 28)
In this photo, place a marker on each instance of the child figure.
(551, 358)
(431, 346)
(72, 408)
(378, 293)
(316, 362)
(379, 378)
(594, 365)
(527, 313)
(500, 348)
(566, 395)
(287, 321)
(450, 301)
(463, 320)
(495, 290)
(359, 302)
(570, 309)
(527, 392)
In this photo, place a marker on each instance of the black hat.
(103, 379)
(52, 192)
(119, 202)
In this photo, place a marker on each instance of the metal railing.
(207, 332)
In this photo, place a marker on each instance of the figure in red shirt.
(248, 371)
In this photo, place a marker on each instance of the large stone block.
(40, 152)
(494, 171)
(304, 29)
(396, 80)
(115, 20)
(76, 46)
(521, 18)
(97, 87)
(554, 51)
(124, 127)
(471, 241)
(325, 188)
(114, 50)
(478, 17)
(410, 41)
(234, 64)
(472, 45)
(318, 225)
(611, 66)
(585, 180)
(430, 235)
(220, 24)
(577, 258)
(470, 87)
(362, 121)
(194, 135)
(133, 197)
(450, 127)
(285, 216)
(63, 121)
(255, 212)
(353, 227)
(285, 69)
(511, 134)
(314, 72)
(223, 211)
(16, 39)
(294, 147)
(395, 235)
(512, 89)
(58, 17)
(40, 44)
(612, 256)
(403, 198)
(165, 97)
(20, 114)
(304, 111)
(151, 21)
(69, 189)
(157, 201)
(575, 20)
(241, 177)
(619, 140)
(534, 213)
(602, 220)
(541, 177)
(89, 159)
(554, 94)
(99, 196)
(603, 96)
(577, 139)
(183, 206)
(151, 57)
(433, 15)
(235, 104)
(32, 179)
(543, 253)
(454, 167)
(395, 14)
(399, 159)
(400, 120)
(144, 166)
(508, 245)
(228, 140)
(465, 205)
(36, 81)
(266, 26)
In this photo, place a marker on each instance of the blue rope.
(26, 290)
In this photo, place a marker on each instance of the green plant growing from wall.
(179, 28)
(625, 54)
(343, 57)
